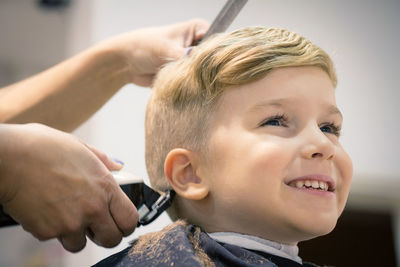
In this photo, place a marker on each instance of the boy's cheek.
(272, 157)
(344, 166)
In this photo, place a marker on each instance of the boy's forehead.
(283, 87)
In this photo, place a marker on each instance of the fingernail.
(188, 50)
(118, 161)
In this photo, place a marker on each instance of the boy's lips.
(315, 181)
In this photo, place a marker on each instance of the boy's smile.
(274, 164)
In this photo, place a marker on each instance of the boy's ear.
(180, 170)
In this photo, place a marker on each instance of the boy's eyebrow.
(332, 109)
(280, 102)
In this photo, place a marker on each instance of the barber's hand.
(55, 186)
(146, 50)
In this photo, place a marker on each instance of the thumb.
(107, 161)
(188, 33)
(193, 31)
(200, 29)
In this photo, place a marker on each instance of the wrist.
(112, 63)
(116, 57)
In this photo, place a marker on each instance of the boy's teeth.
(312, 184)
(299, 184)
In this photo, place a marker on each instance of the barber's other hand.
(146, 50)
(55, 186)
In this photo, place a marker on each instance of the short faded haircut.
(186, 92)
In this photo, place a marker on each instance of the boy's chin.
(314, 228)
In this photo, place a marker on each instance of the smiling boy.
(246, 131)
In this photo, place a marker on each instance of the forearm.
(66, 95)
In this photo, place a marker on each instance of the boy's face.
(275, 166)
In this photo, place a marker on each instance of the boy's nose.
(317, 145)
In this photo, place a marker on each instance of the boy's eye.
(331, 128)
(278, 120)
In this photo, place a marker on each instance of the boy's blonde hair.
(186, 92)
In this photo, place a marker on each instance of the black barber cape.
(175, 249)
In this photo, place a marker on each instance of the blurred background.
(362, 37)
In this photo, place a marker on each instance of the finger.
(200, 29)
(73, 242)
(107, 161)
(124, 212)
(105, 232)
(190, 33)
